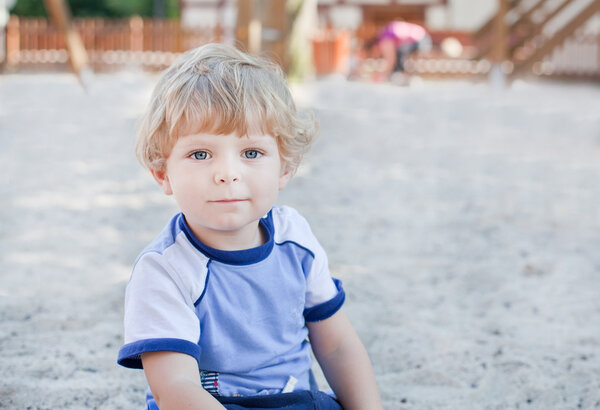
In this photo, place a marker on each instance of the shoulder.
(165, 239)
(170, 259)
(294, 235)
(291, 226)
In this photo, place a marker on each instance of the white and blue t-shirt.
(240, 314)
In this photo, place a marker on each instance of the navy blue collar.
(241, 257)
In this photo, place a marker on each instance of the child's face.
(224, 183)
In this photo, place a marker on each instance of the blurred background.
(453, 184)
(558, 39)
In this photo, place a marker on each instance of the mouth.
(227, 201)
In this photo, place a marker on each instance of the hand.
(174, 380)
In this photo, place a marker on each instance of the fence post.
(180, 41)
(136, 34)
(13, 42)
(500, 48)
(242, 27)
(2, 46)
(218, 33)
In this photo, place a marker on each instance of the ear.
(162, 179)
(286, 175)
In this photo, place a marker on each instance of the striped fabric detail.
(210, 382)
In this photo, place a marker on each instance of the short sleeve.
(158, 314)
(324, 294)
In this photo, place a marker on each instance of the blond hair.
(218, 89)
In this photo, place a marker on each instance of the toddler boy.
(221, 306)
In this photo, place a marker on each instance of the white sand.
(465, 225)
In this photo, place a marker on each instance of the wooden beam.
(525, 16)
(244, 18)
(276, 30)
(488, 25)
(61, 17)
(560, 36)
(500, 37)
(537, 30)
(485, 49)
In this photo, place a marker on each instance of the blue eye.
(252, 154)
(200, 155)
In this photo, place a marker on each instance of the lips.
(228, 201)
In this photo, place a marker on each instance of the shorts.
(302, 400)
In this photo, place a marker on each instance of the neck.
(249, 237)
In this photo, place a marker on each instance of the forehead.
(218, 120)
(203, 138)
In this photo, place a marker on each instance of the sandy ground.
(465, 224)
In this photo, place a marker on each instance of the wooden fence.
(579, 56)
(154, 44)
(110, 43)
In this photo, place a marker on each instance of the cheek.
(186, 187)
(267, 184)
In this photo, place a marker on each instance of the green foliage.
(29, 8)
(99, 8)
(172, 9)
(119, 8)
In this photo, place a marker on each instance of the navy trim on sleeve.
(326, 309)
(130, 355)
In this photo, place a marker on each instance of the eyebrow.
(198, 140)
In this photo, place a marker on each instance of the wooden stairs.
(517, 36)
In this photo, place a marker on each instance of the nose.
(225, 178)
(226, 172)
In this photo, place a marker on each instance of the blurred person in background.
(393, 44)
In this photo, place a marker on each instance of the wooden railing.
(110, 43)
(527, 46)
(154, 44)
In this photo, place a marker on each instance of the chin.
(230, 226)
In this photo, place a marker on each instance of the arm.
(388, 52)
(174, 380)
(345, 362)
